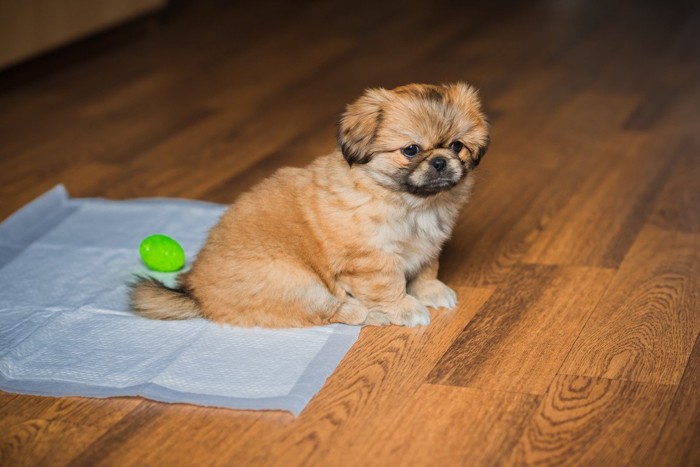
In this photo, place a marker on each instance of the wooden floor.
(577, 263)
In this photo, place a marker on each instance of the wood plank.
(150, 435)
(30, 442)
(438, 427)
(76, 410)
(652, 108)
(594, 421)
(520, 337)
(34, 430)
(599, 223)
(679, 443)
(83, 180)
(645, 326)
(676, 207)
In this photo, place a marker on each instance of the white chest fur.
(413, 236)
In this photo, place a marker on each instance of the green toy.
(162, 253)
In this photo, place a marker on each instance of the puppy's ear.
(464, 95)
(359, 124)
(467, 98)
(481, 151)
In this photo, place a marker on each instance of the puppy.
(354, 237)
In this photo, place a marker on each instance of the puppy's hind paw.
(434, 294)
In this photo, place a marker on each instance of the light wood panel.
(35, 430)
(678, 443)
(67, 409)
(518, 341)
(676, 207)
(594, 421)
(148, 436)
(443, 425)
(29, 442)
(645, 327)
(600, 222)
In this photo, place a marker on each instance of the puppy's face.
(419, 139)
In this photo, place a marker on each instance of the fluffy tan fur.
(352, 238)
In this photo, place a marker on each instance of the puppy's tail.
(151, 298)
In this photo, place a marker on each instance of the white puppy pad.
(66, 328)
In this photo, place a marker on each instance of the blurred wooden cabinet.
(30, 27)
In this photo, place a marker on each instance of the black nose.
(439, 163)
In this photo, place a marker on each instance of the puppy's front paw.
(351, 312)
(433, 293)
(410, 313)
(376, 318)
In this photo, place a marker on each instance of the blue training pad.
(66, 328)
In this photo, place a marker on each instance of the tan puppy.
(352, 238)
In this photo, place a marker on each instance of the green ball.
(161, 253)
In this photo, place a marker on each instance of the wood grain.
(600, 222)
(576, 261)
(593, 421)
(35, 430)
(645, 326)
(676, 207)
(67, 409)
(443, 425)
(520, 337)
(29, 442)
(678, 443)
(147, 434)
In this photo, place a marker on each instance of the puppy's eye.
(456, 146)
(410, 151)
